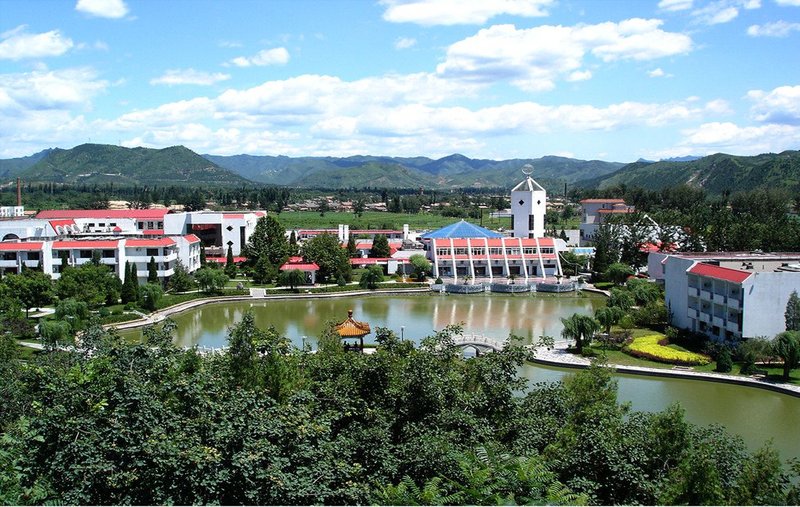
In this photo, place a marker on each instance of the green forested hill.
(715, 173)
(10, 167)
(99, 163)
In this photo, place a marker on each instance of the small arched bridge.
(479, 343)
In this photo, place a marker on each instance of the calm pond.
(755, 414)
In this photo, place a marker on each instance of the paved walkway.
(558, 356)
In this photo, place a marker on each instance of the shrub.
(603, 285)
(653, 347)
(724, 361)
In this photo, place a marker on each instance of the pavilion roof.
(352, 328)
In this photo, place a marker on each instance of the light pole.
(402, 333)
(304, 342)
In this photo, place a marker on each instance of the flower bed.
(653, 347)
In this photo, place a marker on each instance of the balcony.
(719, 298)
(718, 321)
(706, 294)
(692, 313)
(732, 327)
(694, 291)
(734, 303)
(704, 317)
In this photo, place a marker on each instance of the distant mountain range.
(95, 163)
(453, 171)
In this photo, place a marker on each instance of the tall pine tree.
(152, 271)
(792, 314)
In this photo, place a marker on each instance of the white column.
(488, 259)
(469, 255)
(541, 261)
(453, 259)
(522, 260)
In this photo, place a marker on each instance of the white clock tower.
(528, 205)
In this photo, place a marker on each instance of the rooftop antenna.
(527, 170)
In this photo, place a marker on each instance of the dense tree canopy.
(329, 255)
(118, 423)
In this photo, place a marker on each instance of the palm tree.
(787, 347)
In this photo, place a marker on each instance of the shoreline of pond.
(555, 357)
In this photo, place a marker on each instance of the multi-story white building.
(113, 252)
(216, 230)
(467, 250)
(727, 295)
(595, 211)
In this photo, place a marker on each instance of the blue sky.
(598, 79)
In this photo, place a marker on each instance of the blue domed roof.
(462, 229)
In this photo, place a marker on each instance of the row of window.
(481, 252)
(150, 225)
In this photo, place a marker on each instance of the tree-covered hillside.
(716, 174)
(99, 163)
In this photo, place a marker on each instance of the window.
(442, 251)
(152, 252)
(109, 254)
(33, 256)
(9, 256)
(150, 225)
(528, 250)
(85, 254)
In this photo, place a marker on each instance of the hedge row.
(653, 347)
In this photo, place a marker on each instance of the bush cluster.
(653, 347)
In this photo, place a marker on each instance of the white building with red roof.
(113, 252)
(727, 294)
(217, 230)
(594, 212)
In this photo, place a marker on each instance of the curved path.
(558, 356)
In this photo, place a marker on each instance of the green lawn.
(385, 220)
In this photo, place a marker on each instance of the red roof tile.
(151, 214)
(191, 238)
(88, 244)
(149, 242)
(20, 246)
(600, 201)
(720, 273)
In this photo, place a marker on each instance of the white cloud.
(43, 89)
(723, 11)
(189, 77)
(675, 5)
(776, 29)
(534, 58)
(731, 138)
(274, 56)
(17, 44)
(113, 9)
(460, 12)
(580, 75)
(656, 73)
(781, 105)
(790, 3)
(405, 43)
